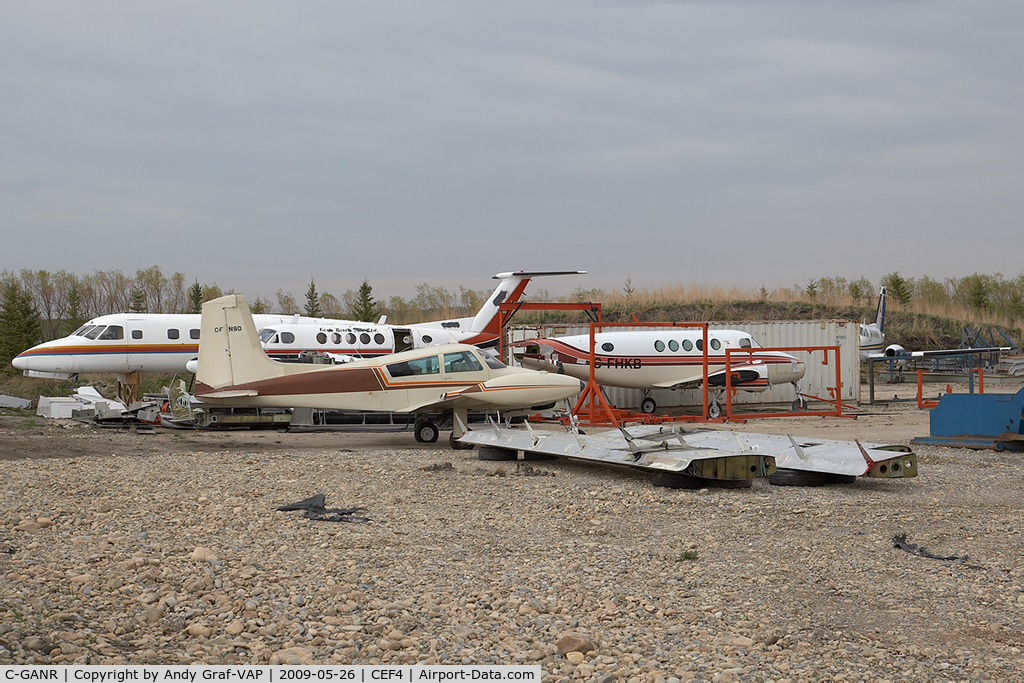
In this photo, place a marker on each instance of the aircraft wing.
(893, 354)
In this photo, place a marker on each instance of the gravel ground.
(128, 548)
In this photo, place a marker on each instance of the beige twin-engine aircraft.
(234, 369)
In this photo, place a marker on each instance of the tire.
(457, 445)
(527, 455)
(786, 477)
(714, 411)
(426, 432)
(495, 454)
(648, 406)
(674, 480)
(799, 405)
(840, 479)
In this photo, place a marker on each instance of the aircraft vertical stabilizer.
(229, 346)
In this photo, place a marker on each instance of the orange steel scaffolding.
(923, 404)
(836, 391)
(507, 310)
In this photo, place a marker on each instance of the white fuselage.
(667, 358)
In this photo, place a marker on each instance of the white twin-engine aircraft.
(666, 358)
(165, 343)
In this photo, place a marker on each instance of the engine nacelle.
(894, 350)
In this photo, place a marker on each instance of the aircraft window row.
(416, 366)
(461, 361)
(105, 332)
(688, 345)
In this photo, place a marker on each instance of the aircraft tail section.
(229, 345)
(880, 311)
(510, 289)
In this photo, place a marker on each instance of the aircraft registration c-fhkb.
(234, 369)
(666, 358)
(165, 343)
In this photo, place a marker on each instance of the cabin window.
(687, 345)
(715, 344)
(416, 366)
(193, 333)
(700, 345)
(608, 346)
(350, 338)
(364, 338)
(136, 334)
(287, 338)
(94, 332)
(659, 346)
(673, 345)
(427, 339)
(378, 338)
(113, 332)
(172, 333)
(461, 361)
(744, 342)
(335, 338)
(321, 338)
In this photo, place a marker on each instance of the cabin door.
(133, 343)
(403, 339)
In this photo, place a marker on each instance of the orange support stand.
(507, 310)
(836, 391)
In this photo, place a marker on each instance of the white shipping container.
(816, 381)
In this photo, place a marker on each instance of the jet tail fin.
(509, 290)
(229, 345)
(880, 311)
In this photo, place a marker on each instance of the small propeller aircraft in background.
(234, 369)
(666, 358)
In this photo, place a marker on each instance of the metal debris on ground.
(315, 510)
(900, 541)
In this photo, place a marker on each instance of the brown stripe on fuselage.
(333, 381)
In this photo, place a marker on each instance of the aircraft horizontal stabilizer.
(537, 273)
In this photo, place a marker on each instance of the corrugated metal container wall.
(816, 381)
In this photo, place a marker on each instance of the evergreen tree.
(312, 301)
(195, 298)
(138, 300)
(365, 308)
(20, 326)
(901, 288)
(75, 318)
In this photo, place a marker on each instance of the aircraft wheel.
(799, 404)
(648, 406)
(714, 411)
(731, 483)
(840, 478)
(426, 432)
(786, 477)
(527, 455)
(496, 454)
(458, 445)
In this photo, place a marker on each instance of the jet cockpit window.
(94, 332)
(673, 345)
(113, 332)
(267, 334)
(461, 361)
(80, 332)
(715, 344)
(744, 342)
(287, 338)
(172, 333)
(687, 345)
(416, 366)
(659, 346)
(378, 338)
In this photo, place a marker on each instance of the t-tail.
(230, 353)
(510, 289)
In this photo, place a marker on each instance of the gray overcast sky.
(257, 144)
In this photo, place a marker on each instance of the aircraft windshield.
(113, 332)
(267, 334)
(461, 361)
(493, 363)
(81, 330)
(94, 332)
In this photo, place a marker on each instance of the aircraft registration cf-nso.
(666, 358)
(153, 342)
(234, 369)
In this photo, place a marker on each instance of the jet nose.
(20, 361)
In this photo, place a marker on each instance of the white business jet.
(666, 358)
(164, 343)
